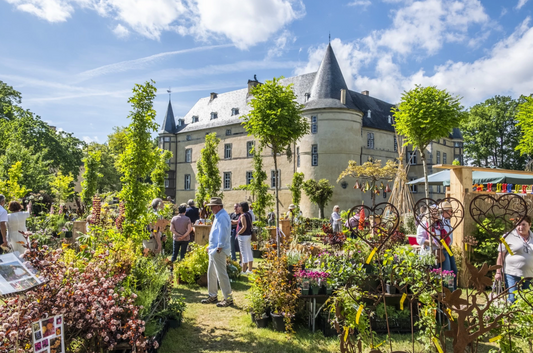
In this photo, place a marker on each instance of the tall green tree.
(91, 175)
(62, 187)
(276, 121)
(11, 187)
(138, 159)
(296, 188)
(491, 134)
(258, 188)
(319, 192)
(9, 99)
(426, 114)
(110, 180)
(525, 123)
(159, 173)
(208, 176)
(117, 141)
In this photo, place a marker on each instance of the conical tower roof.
(169, 125)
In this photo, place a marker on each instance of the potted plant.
(257, 305)
(67, 229)
(294, 258)
(316, 279)
(175, 308)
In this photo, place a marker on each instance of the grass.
(207, 328)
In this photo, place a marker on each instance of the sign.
(47, 335)
(15, 276)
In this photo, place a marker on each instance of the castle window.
(167, 183)
(444, 142)
(414, 188)
(227, 180)
(228, 132)
(395, 144)
(249, 148)
(438, 158)
(314, 155)
(195, 119)
(273, 178)
(227, 151)
(234, 111)
(166, 139)
(306, 97)
(298, 157)
(369, 114)
(188, 155)
(189, 137)
(214, 115)
(187, 182)
(411, 157)
(249, 177)
(389, 119)
(314, 124)
(370, 140)
(444, 158)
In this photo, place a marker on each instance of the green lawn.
(207, 328)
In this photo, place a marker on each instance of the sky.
(76, 61)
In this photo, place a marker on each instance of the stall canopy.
(478, 177)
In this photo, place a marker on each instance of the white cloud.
(520, 4)
(245, 23)
(363, 3)
(89, 139)
(280, 43)
(121, 31)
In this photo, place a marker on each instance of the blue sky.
(75, 61)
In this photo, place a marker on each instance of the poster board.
(47, 335)
(15, 276)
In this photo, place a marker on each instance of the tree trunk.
(426, 181)
(321, 211)
(277, 200)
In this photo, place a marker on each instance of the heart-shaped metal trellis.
(489, 212)
(374, 225)
(431, 215)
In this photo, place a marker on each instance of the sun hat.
(292, 207)
(215, 201)
(446, 206)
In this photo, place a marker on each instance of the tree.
(319, 192)
(525, 123)
(138, 159)
(262, 199)
(491, 134)
(208, 174)
(91, 176)
(110, 180)
(426, 114)
(296, 188)
(159, 173)
(276, 120)
(62, 187)
(372, 171)
(11, 188)
(117, 141)
(9, 98)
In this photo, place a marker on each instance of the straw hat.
(292, 207)
(215, 201)
(446, 206)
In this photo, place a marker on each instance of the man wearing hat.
(293, 213)
(218, 250)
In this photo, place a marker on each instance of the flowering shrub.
(95, 307)
(316, 278)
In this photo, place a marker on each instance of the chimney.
(365, 93)
(252, 84)
(213, 95)
(343, 96)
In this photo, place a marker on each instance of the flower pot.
(305, 291)
(278, 323)
(390, 289)
(369, 269)
(260, 322)
(257, 254)
(314, 290)
(202, 281)
(68, 234)
(329, 291)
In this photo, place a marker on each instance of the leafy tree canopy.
(208, 174)
(491, 134)
(319, 192)
(525, 122)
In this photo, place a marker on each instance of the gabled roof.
(379, 111)
(169, 124)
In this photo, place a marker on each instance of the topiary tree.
(426, 114)
(319, 192)
(208, 174)
(296, 188)
(91, 175)
(276, 120)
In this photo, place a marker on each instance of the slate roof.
(323, 88)
(169, 124)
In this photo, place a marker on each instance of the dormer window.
(306, 97)
(195, 119)
(369, 114)
(389, 119)
(214, 115)
(180, 122)
(234, 111)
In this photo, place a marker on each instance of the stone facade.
(345, 125)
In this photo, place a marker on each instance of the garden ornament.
(357, 185)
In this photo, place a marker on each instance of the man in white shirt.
(3, 224)
(251, 212)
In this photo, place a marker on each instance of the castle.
(345, 125)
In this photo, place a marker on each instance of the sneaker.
(210, 300)
(225, 303)
(249, 272)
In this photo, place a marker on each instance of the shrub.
(193, 265)
(487, 244)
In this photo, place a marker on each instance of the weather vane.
(169, 93)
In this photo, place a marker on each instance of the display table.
(311, 307)
(201, 234)
(285, 226)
